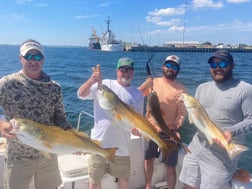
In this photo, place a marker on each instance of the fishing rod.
(148, 66)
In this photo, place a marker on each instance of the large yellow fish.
(126, 118)
(199, 117)
(52, 139)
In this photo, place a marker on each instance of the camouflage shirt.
(40, 101)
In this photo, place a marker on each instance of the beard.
(126, 81)
(221, 77)
(170, 75)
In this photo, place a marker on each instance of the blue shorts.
(152, 152)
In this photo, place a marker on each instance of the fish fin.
(97, 142)
(111, 153)
(46, 154)
(234, 150)
(79, 134)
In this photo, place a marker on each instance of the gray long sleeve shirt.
(229, 105)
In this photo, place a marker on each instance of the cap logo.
(173, 58)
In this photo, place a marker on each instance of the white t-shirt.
(103, 131)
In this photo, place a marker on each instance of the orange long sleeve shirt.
(173, 112)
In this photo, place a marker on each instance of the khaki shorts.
(18, 173)
(99, 166)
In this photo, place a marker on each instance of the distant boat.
(108, 41)
(94, 41)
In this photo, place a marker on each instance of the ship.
(108, 41)
(94, 41)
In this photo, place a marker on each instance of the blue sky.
(153, 22)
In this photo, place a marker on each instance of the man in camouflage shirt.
(31, 94)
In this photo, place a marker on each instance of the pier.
(183, 49)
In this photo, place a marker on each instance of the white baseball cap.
(172, 58)
(29, 45)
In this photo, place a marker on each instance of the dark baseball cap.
(224, 55)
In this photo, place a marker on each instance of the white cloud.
(86, 16)
(153, 19)
(238, 1)
(22, 1)
(234, 26)
(168, 12)
(196, 4)
(176, 29)
(169, 22)
(105, 4)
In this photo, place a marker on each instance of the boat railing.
(80, 117)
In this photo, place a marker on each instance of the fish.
(155, 111)
(54, 140)
(199, 117)
(124, 117)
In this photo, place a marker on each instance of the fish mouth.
(181, 98)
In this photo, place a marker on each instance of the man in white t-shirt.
(104, 131)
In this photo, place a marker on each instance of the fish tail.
(111, 153)
(234, 150)
(165, 153)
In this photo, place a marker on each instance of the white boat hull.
(112, 47)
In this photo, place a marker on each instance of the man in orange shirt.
(168, 90)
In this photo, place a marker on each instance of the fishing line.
(148, 65)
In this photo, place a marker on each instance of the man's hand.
(135, 132)
(5, 129)
(145, 86)
(96, 76)
(227, 135)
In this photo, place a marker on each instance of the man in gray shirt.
(228, 103)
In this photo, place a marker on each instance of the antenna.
(183, 35)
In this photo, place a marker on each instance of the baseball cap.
(172, 58)
(223, 55)
(29, 45)
(125, 62)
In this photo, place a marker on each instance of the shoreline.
(184, 49)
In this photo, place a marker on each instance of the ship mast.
(108, 22)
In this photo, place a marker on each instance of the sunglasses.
(222, 64)
(172, 66)
(124, 70)
(37, 57)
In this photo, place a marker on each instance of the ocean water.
(71, 66)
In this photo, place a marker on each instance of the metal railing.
(79, 118)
